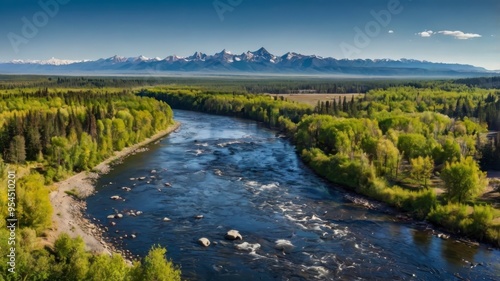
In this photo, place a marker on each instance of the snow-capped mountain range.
(257, 62)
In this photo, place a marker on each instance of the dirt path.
(68, 212)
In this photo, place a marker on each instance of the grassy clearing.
(312, 99)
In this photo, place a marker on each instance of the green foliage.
(72, 259)
(71, 131)
(262, 108)
(407, 127)
(358, 143)
(33, 205)
(452, 216)
(456, 217)
(106, 268)
(421, 169)
(413, 145)
(387, 158)
(155, 267)
(356, 173)
(65, 131)
(463, 180)
(449, 151)
(17, 150)
(69, 261)
(481, 220)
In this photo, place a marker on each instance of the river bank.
(69, 211)
(239, 175)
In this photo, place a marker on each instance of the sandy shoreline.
(68, 214)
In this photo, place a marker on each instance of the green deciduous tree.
(481, 219)
(421, 169)
(155, 267)
(73, 260)
(413, 145)
(463, 180)
(34, 208)
(387, 163)
(106, 268)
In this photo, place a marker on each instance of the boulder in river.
(111, 216)
(233, 235)
(116, 197)
(119, 216)
(166, 219)
(204, 242)
(198, 217)
(168, 184)
(153, 171)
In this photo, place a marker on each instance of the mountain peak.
(262, 52)
(198, 56)
(117, 59)
(261, 61)
(224, 56)
(225, 52)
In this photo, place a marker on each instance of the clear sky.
(461, 31)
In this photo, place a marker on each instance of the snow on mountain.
(116, 59)
(173, 58)
(224, 56)
(259, 61)
(198, 56)
(262, 55)
(51, 61)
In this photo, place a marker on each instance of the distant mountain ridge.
(257, 62)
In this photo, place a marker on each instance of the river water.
(295, 226)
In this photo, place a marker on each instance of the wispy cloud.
(459, 34)
(456, 34)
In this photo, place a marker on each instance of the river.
(295, 225)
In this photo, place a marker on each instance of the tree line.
(380, 145)
(48, 134)
(465, 105)
(74, 131)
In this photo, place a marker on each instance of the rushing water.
(295, 226)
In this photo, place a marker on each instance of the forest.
(45, 137)
(422, 150)
(242, 84)
(420, 146)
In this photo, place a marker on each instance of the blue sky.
(461, 31)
